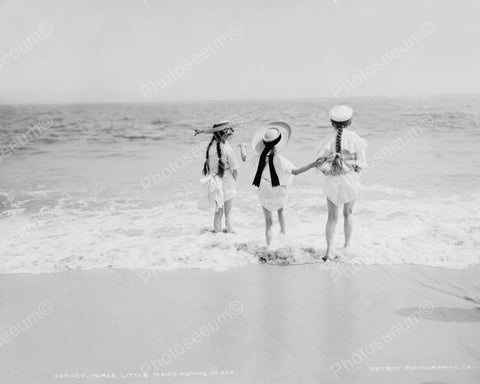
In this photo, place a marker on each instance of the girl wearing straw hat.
(221, 171)
(274, 172)
(345, 158)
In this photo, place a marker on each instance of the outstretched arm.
(305, 168)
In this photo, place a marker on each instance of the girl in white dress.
(345, 158)
(221, 171)
(274, 172)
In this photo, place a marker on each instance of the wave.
(135, 137)
(392, 227)
(160, 122)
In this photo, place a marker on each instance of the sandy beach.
(340, 130)
(258, 324)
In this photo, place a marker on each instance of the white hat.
(341, 113)
(270, 133)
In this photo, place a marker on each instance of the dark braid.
(206, 166)
(337, 164)
(338, 142)
(221, 165)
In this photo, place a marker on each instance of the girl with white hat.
(345, 158)
(221, 171)
(274, 172)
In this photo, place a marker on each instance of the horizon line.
(244, 99)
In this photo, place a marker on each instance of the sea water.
(116, 185)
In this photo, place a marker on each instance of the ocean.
(87, 186)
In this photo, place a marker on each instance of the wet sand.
(258, 324)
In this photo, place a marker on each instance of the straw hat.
(270, 133)
(215, 128)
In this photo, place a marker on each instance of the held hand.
(319, 161)
(197, 131)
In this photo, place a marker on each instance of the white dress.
(274, 198)
(217, 190)
(341, 189)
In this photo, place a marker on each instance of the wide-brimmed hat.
(270, 133)
(217, 127)
(341, 113)
(221, 126)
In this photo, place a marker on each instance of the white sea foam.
(398, 228)
(78, 197)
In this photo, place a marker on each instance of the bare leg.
(348, 221)
(217, 220)
(281, 220)
(268, 225)
(228, 215)
(330, 227)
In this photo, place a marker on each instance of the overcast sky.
(107, 50)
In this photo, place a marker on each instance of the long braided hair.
(217, 136)
(337, 164)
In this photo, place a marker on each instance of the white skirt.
(229, 186)
(272, 198)
(341, 189)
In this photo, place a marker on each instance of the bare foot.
(326, 257)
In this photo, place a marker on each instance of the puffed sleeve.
(287, 166)
(284, 169)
